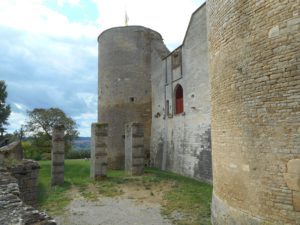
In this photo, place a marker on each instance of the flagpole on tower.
(126, 19)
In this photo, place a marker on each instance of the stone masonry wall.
(125, 85)
(254, 54)
(27, 175)
(18, 188)
(12, 209)
(181, 143)
(11, 151)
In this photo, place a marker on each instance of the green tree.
(4, 108)
(40, 125)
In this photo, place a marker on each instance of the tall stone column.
(134, 148)
(58, 155)
(99, 150)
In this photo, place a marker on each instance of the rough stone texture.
(254, 58)
(26, 172)
(125, 85)
(181, 143)
(11, 151)
(99, 150)
(12, 209)
(58, 155)
(292, 179)
(134, 149)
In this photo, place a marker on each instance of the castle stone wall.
(181, 143)
(125, 85)
(254, 58)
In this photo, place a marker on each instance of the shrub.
(78, 154)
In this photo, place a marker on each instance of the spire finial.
(126, 19)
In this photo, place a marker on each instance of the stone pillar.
(99, 150)
(58, 155)
(134, 148)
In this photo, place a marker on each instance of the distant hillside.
(82, 143)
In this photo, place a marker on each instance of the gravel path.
(112, 211)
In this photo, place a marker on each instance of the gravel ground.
(112, 211)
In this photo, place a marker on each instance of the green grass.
(188, 197)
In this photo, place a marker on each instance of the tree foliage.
(4, 108)
(39, 127)
(42, 121)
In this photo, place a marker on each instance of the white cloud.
(16, 120)
(89, 99)
(84, 123)
(20, 106)
(168, 17)
(35, 17)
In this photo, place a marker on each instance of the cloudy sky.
(49, 49)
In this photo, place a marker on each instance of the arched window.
(178, 99)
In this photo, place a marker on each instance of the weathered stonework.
(12, 209)
(58, 155)
(125, 85)
(26, 172)
(134, 149)
(137, 80)
(181, 142)
(99, 150)
(254, 58)
(11, 151)
(18, 188)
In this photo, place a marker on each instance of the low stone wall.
(12, 209)
(18, 188)
(11, 151)
(26, 174)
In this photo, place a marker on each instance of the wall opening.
(167, 107)
(178, 99)
(131, 99)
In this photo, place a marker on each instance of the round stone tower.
(254, 53)
(125, 84)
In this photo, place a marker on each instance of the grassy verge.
(187, 202)
(189, 197)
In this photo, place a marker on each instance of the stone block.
(292, 180)
(138, 161)
(57, 179)
(293, 166)
(296, 200)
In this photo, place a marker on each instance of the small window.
(167, 107)
(131, 99)
(176, 59)
(178, 99)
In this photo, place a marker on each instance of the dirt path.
(136, 206)
(112, 211)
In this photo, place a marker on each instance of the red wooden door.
(179, 99)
